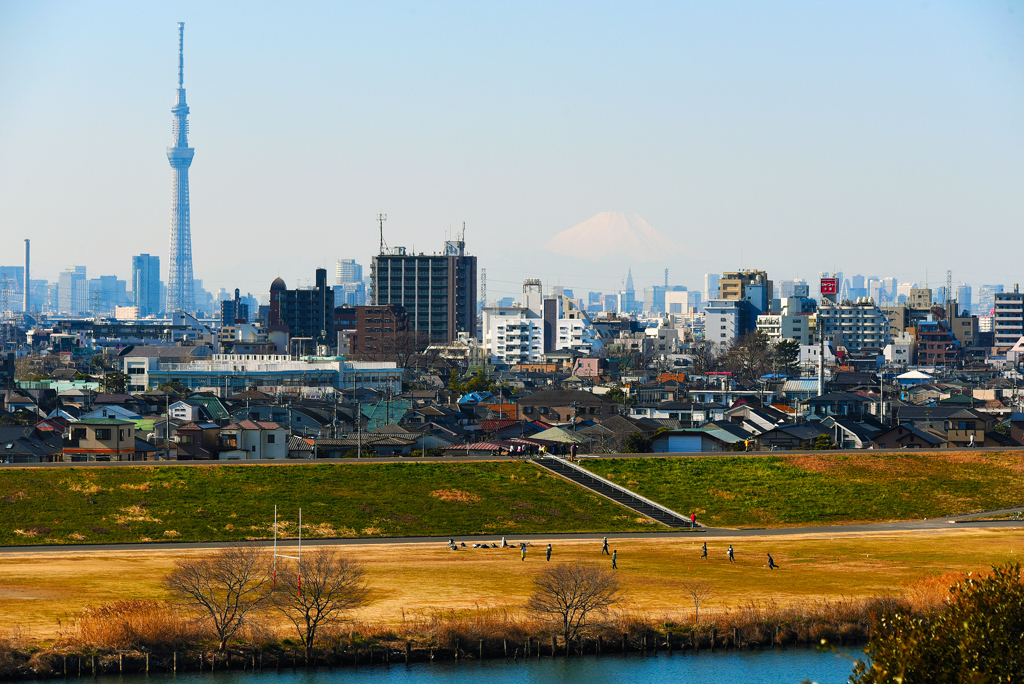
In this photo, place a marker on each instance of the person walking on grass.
(522, 552)
(771, 562)
(732, 558)
(704, 551)
(615, 554)
(604, 549)
(549, 553)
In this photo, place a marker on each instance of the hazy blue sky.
(872, 137)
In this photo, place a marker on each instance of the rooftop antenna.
(381, 218)
(181, 54)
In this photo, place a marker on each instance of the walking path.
(617, 493)
(945, 524)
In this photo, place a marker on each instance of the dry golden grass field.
(40, 593)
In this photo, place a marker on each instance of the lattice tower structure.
(180, 293)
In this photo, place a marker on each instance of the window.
(270, 438)
(103, 433)
(78, 433)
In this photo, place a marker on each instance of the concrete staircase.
(610, 490)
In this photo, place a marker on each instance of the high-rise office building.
(12, 279)
(710, 286)
(180, 293)
(234, 310)
(654, 299)
(987, 298)
(438, 291)
(348, 271)
(106, 293)
(73, 291)
(858, 288)
(963, 298)
(787, 288)
(146, 284)
(350, 294)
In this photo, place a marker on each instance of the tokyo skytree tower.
(180, 294)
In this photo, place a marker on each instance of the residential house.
(564, 406)
(908, 437)
(250, 439)
(198, 441)
(967, 428)
(850, 434)
(100, 439)
(29, 444)
(791, 436)
(839, 404)
(111, 411)
(693, 440)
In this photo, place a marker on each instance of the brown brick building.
(379, 328)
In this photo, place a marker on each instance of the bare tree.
(699, 591)
(571, 593)
(706, 356)
(318, 591)
(750, 358)
(399, 347)
(223, 587)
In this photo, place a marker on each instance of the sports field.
(40, 592)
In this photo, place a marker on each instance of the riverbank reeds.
(146, 635)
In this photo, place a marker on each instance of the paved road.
(946, 524)
(466, 459)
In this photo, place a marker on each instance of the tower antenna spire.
(381, 218)
(180, 292)
(181, 54)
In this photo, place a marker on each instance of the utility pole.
(167, 425)
(881, 395)
(821, 362)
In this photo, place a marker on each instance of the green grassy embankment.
(812, 488)
(235, 502)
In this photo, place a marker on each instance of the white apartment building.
(523, 333)
(854, 324)
(723, 320)
(787, 326)
(1008, 317)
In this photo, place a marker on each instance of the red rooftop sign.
(828, 285)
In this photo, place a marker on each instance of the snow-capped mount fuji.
(613, 235)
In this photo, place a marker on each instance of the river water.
(767, 667)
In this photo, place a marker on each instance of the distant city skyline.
(790, 137)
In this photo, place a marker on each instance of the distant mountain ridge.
(613, 235)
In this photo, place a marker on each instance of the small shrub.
(134, 624)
